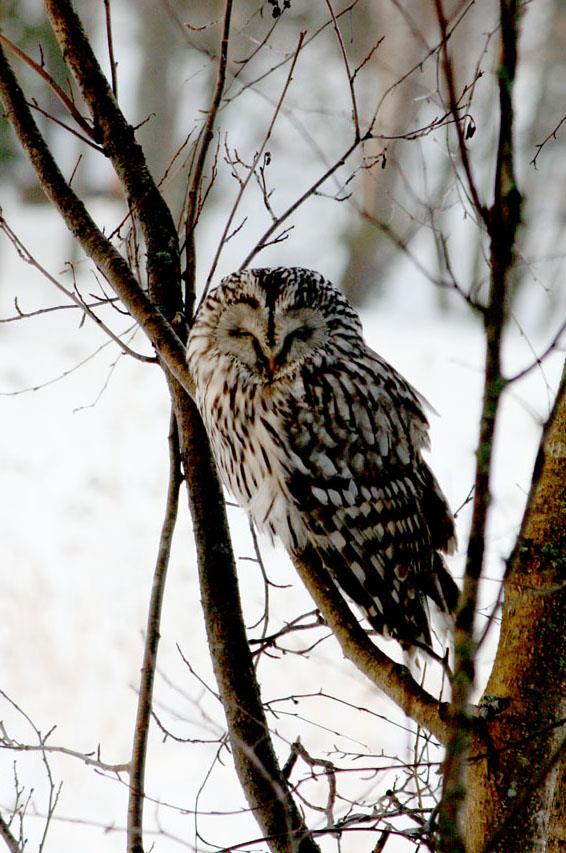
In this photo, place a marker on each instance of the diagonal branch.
(118, 140)
(75, 215)
(254, 757)
(6, 835)
(392, 678)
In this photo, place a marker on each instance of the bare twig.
(78, 301)
(417, 67)
(329, 771)
(145, 696)
(113, 65)
(540, 358)
(80, 223)
(453, 103)
(63, 97)
(34, 105)
(264, 240)
(206, 137)
(258, 156)
(540, 145)
(349, 74)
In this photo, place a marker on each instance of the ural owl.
(319, 439)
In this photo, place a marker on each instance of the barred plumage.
(320, 440)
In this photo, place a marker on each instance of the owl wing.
(369, 502)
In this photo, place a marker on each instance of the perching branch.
(392, 678)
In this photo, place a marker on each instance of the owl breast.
(245, 432)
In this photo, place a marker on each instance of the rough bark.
(511, 803)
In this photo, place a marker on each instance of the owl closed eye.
(264, 344)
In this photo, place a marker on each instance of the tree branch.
(89, 132)
(119, 143)
(145, 695)
(206, 137)
(6, 835)
(528, 670)
(392, 678)
(454, 109)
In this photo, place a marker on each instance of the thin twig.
(63, 97)
(418, 66)
(143, 716)
(80, 223)
(206, 137)
(113, 65)
(453, 103)
(263, 241)
(540, 145)
(26, 256)
(349, 74)
(35, 106)
(539, 359)
(256, 160)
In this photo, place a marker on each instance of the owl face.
(270, 321)
(269, 343)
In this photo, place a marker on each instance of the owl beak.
(271, 365)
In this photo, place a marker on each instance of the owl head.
(270, 321)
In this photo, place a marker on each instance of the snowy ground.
(82, 489)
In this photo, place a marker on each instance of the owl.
(319, 439)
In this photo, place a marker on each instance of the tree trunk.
(512, 785)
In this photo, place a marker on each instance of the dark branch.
(119, 143)
(145, 695)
